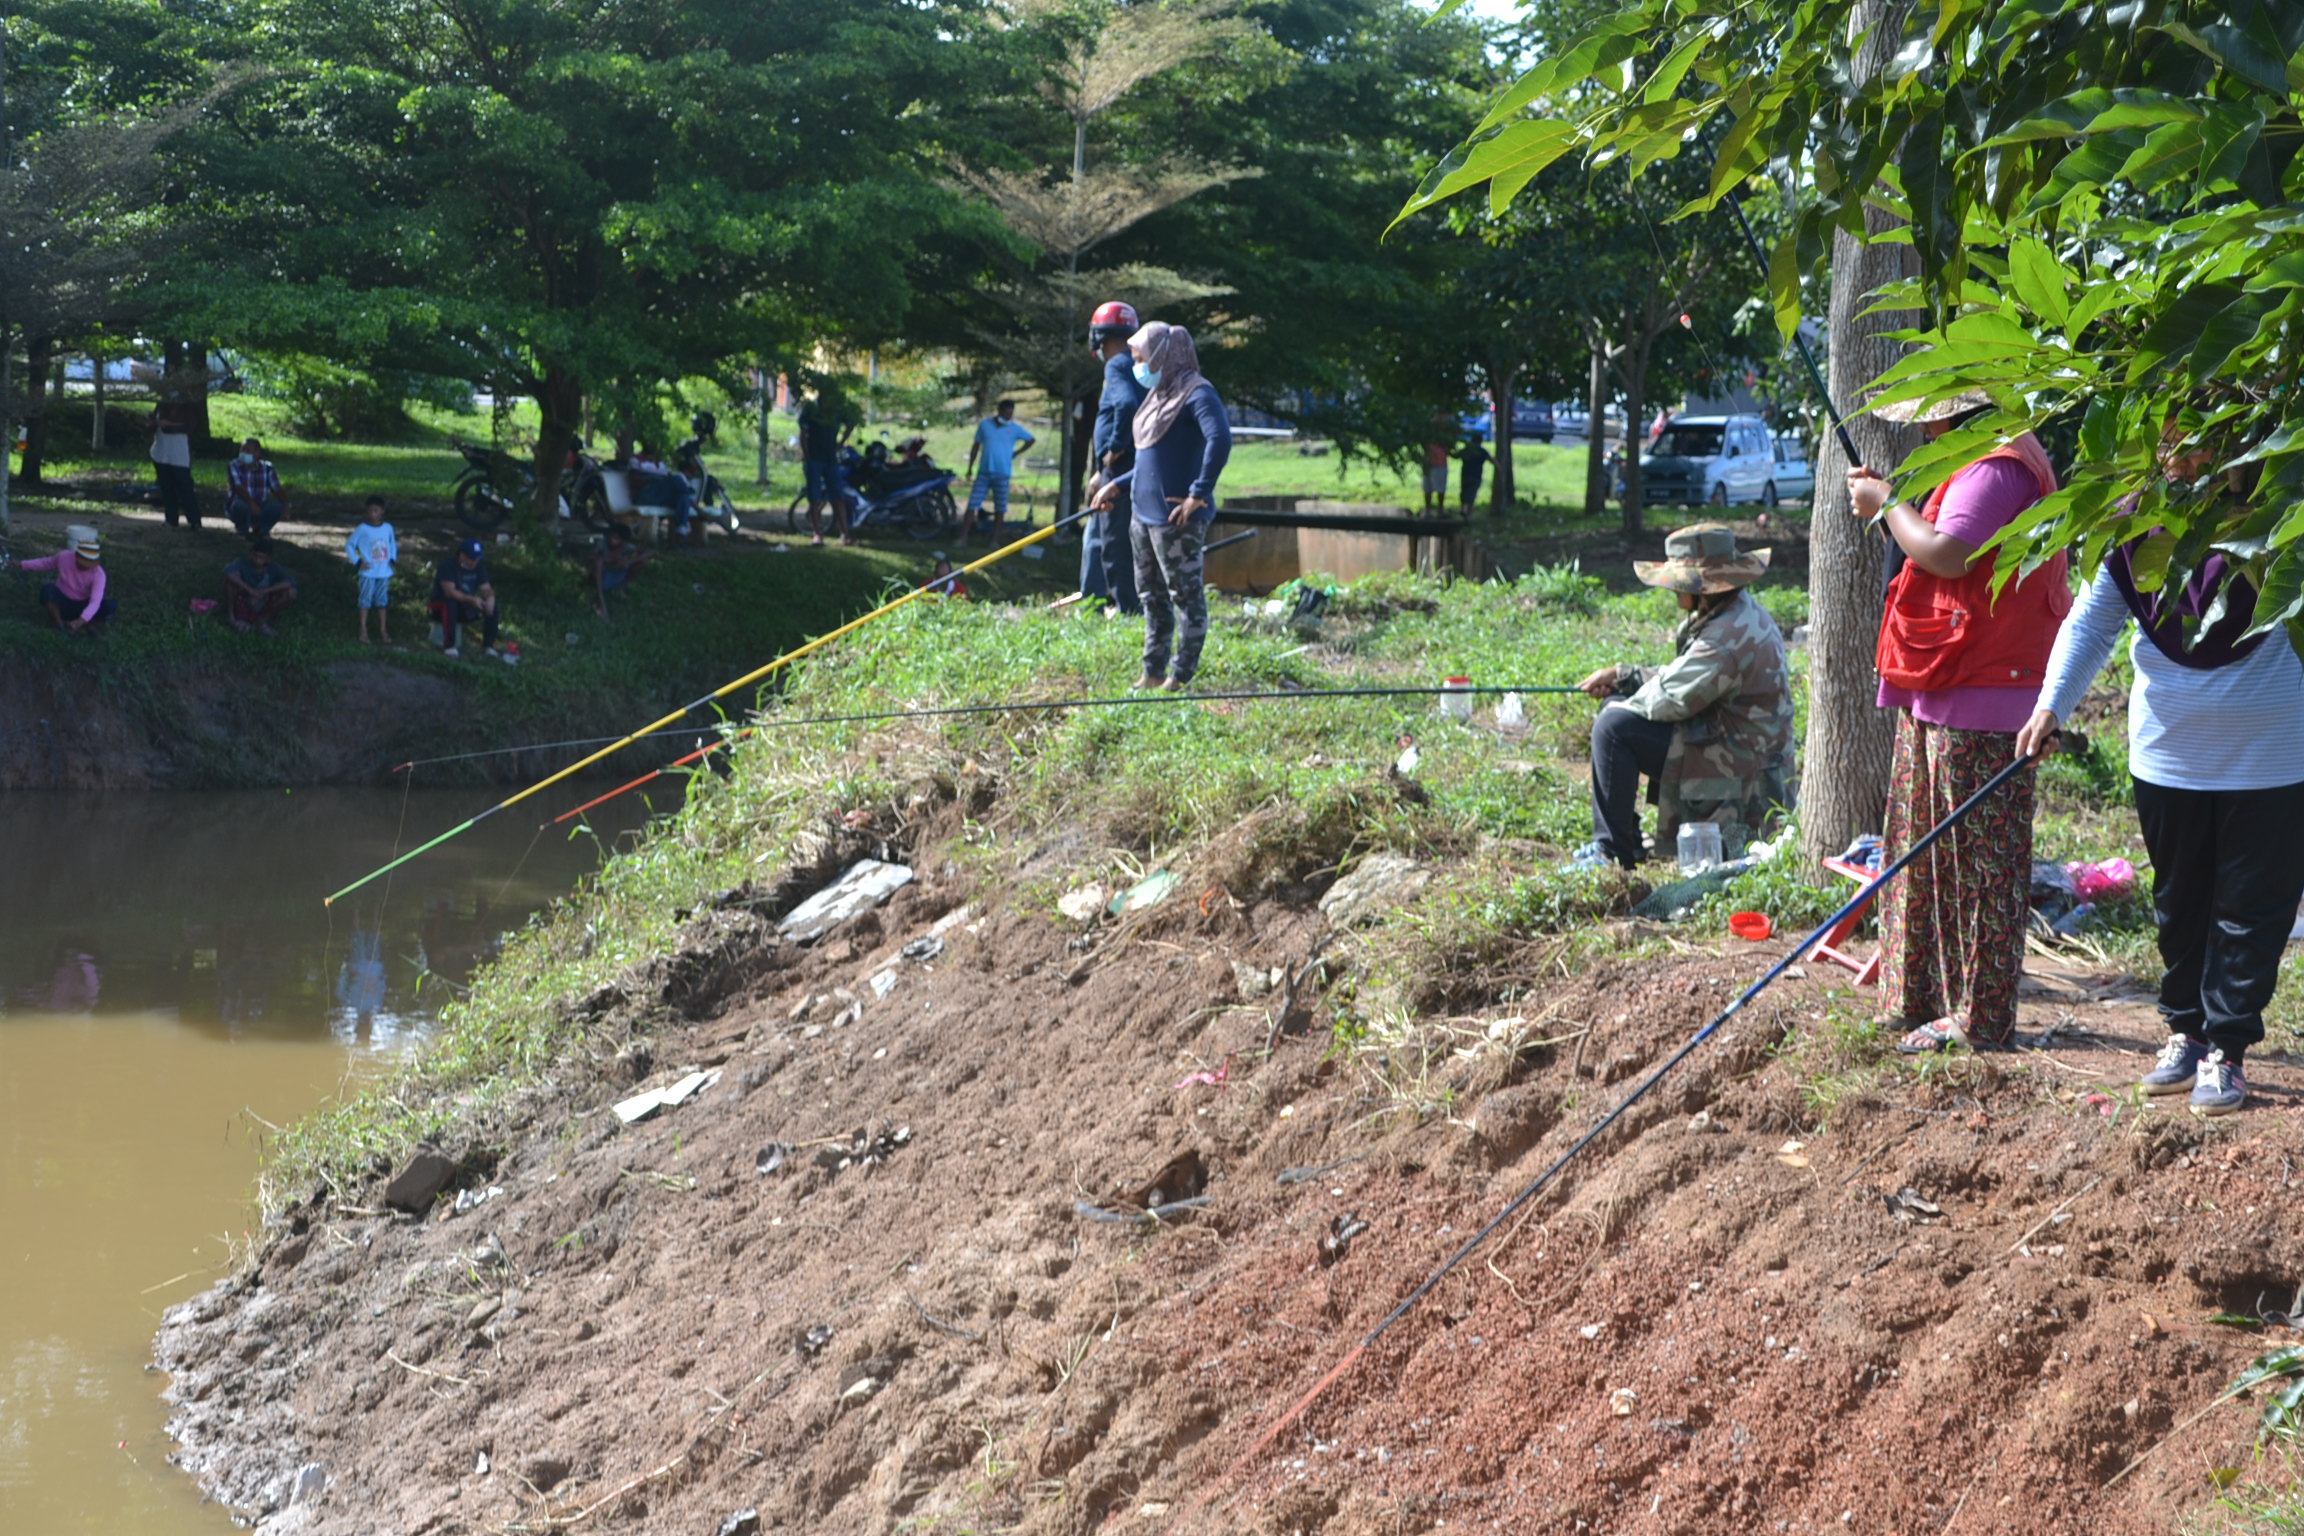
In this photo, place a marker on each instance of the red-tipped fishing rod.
(1815, 374)
(1854, 904)
(1149, 696)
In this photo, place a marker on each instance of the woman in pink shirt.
(75, 597)
(1962, 666)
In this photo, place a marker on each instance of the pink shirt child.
(1982, 499)
(82, 584)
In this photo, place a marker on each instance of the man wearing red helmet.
(1107, 568)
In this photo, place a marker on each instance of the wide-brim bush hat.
(1910, 413)
(1702, 560)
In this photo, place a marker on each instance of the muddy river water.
(169, 983)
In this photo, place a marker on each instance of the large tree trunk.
(1501, 381)
(39, 355)
(1082, 416)
(1596, 431)
(1632, 367)
(560, 412)
(1844, 783)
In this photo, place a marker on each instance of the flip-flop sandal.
(1936, 1035)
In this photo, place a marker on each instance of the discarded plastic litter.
(1456, 698)
(2104, 880)
(923, 950)
(641, 1105)
(861, 887)
(1144, 893)
(772, 1157)
(1511, 714)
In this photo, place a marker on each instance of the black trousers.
(2227, 871)
(178, 495)
(459, 618)
(1625, 745)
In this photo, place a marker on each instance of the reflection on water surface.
(167, 971)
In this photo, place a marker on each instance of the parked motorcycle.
(601, 491)
(491, 484)
(915, 495)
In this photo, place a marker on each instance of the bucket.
(1753, 926)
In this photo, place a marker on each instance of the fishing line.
(1854, 905)
(1149, 696)
(751, 677)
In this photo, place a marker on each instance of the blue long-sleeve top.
(2237, 727)
(1116, 415)
(1186, 460)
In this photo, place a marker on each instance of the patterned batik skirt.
(1952, 925)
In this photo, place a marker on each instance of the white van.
(1710, 460)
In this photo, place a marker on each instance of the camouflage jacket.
(1727, 692)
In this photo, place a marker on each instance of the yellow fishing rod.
(926, 589)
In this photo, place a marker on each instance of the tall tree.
(578, 198)
(1098, 51)
(2104, 215)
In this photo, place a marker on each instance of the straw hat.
(1909, 411)
(1703, 560)
(82, 539)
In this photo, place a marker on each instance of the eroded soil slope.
(1715, 1322)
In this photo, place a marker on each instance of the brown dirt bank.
(1705, 1329)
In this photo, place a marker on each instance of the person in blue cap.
(462, 594)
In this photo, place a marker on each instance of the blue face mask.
(1148, 377)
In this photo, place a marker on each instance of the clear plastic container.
(1699, 846)
(1456, 698)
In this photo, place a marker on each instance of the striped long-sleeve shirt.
(2237, 727)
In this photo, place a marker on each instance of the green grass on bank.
(1255, 792)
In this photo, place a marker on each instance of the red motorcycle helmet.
(1115, 321)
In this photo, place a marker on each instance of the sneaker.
(1590, 856)
(2178, 1063)
(491, 650)
(2221, 1088)
(453, 654)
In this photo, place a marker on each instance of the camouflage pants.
(1170, 580)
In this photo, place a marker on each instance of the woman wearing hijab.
(1182, 441)
(2216, 752)
(1962, 667)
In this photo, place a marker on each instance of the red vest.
(1940, 633)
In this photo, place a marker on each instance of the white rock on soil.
(1380, 883)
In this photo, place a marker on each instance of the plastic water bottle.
(1699, 846)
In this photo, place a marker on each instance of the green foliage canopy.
(2104, 197)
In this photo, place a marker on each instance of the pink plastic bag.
(2105, 880)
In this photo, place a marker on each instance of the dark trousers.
(454, 617)
(2227, 870)
(260, 609)
(1108, 559)
(255, 522)
(178, 494)
(1625, 745)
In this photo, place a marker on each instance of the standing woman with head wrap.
(1182, 441)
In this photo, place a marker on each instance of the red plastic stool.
(1828, 948)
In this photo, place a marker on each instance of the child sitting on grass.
(372, 547)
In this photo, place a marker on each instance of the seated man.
(614, 558)
(655, 485)
(1711, 728)
(256, 590)
(253, 497)
(76, 598)
(462, 593)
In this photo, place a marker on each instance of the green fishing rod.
(1147, 696)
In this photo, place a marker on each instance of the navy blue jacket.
(1116, 415)
(1185, 462)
